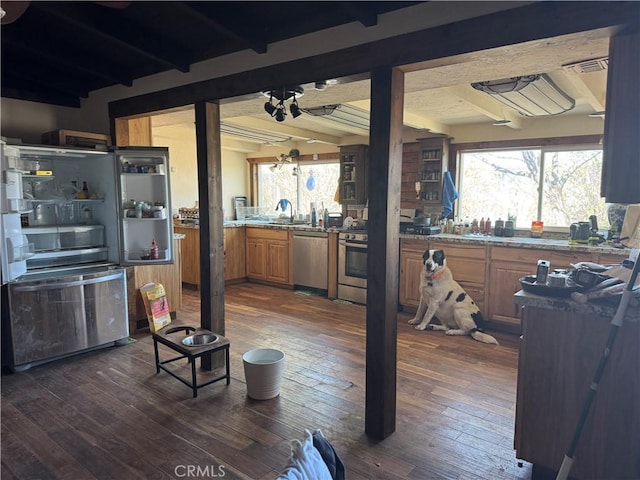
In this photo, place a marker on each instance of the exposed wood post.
(209, 159)
(385, 169)
(621, 152)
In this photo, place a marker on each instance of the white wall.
(181, 140)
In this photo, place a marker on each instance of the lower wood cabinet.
(190, 255)
(489, 274)
(411, 267)
(468, 265)
(269, 255)
(234, 255)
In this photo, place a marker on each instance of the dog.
(443, 298)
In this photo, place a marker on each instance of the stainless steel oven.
(352, 267)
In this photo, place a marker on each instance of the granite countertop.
(305, 227)
(526, 299)
(520, 242)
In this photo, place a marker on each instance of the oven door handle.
(355, 244)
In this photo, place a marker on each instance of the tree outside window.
(301, 184)
(556, 186)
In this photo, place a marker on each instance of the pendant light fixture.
(282, 94)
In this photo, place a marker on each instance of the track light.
(282, 94)
(269, 107)
(280, 114)
(294, 109)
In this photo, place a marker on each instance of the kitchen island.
(561, 345)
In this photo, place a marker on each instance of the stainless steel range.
(352, 266)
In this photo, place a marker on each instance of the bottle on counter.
(487, 226)
(314, 215)
(536, 229)
(499, 230)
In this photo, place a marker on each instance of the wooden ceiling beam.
(131, 36)
(534, 21)
(197, 12)
(90, 67)
(361, 14)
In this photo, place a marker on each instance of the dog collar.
(434, 276)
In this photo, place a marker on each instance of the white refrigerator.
(71, 220)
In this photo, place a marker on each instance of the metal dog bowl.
(200, 339)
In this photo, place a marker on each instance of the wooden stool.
(191, 351)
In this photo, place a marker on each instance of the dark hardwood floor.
(107, 415)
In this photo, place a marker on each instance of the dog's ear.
(426, 255)
(438, 257)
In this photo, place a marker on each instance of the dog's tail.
(482, 337)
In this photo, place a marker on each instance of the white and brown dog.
(443, 298)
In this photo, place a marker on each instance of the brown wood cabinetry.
(411, 173)
(234, 254)
(468, 264)
(269, 255)
(489, 274)
(411, 267)
(190, 255)
(506, 268)
(353, 174)
(434, 154)
(559, 353)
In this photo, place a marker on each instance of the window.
(557, 186)
(300, 184)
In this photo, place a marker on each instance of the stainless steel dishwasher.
(310, 258)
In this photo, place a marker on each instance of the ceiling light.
(597, 114)
(530, 95)
(345, 114)
(282, 94)
(499, 123)
(294, 108)
(261, 136)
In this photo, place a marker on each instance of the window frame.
(545, 145)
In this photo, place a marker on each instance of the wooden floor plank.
(107, 414)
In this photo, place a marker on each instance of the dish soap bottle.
(153, 251)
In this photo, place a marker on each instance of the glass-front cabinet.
(353, 174)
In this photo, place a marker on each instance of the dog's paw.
(421, 327)
(413, 321)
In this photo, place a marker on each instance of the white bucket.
(263, 369)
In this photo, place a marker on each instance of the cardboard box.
(72, 138)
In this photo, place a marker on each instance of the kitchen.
(495, 127)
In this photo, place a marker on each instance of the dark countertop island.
(561, 345)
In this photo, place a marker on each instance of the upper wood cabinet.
(423, 166)
(434, 154)
(353, 174)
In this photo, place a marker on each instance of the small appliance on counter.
(416, 225)
(334, 219)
